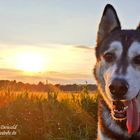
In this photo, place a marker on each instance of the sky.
(54, 40)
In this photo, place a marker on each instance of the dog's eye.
(136, 60)
(109, 57)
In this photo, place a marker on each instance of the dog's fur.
(123, 63)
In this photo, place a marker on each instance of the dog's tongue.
(133, 117)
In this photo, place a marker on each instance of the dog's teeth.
(126, 107)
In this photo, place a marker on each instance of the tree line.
(43, 87)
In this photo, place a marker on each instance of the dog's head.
(118, 68)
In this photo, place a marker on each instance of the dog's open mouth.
(127, 110)
(119, 110)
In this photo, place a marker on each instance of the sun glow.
(30, 62)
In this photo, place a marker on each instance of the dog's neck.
(111, 128)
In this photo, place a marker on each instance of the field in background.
(48, 116)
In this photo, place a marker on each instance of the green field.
(48, 115)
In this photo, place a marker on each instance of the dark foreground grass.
(37, 117)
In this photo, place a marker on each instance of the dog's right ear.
(109, 22)
(138, 27)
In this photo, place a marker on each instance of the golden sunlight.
(30, 62)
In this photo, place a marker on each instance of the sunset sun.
(30, 62)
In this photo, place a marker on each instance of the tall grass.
(49, 116)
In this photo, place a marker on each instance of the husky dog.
(117, 72)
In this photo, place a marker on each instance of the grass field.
(48, 116)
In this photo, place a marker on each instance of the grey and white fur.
(118, 57)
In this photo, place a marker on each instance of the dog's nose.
(118, 87)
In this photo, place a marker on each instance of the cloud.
(62, 63)
(51, 76)
(83, 47)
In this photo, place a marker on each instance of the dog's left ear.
(109, 22)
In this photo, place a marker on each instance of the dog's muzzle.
(122, 108)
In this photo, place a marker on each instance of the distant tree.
(57, 85)
(85, 88)
(47, 82)
(40, 84)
